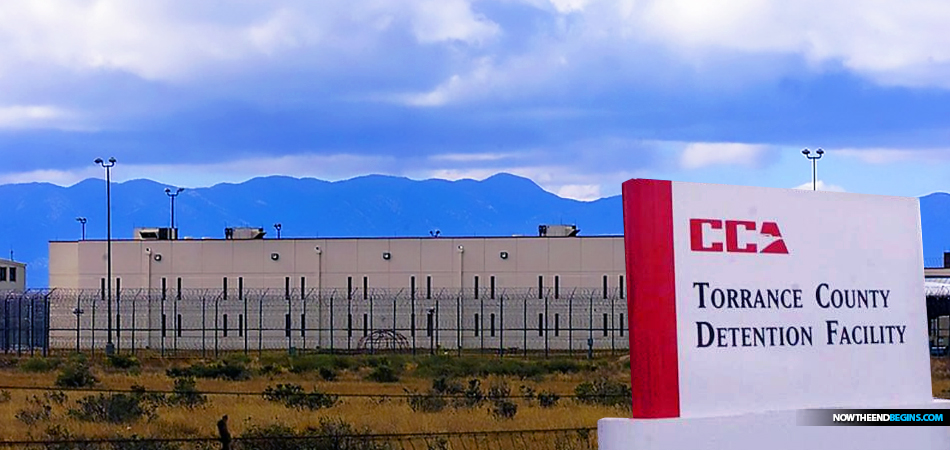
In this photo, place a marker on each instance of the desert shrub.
(38, 364)
(76, 374)
(499, 390)
(5, 396)
(55, 434)
(39, 409)
(604, 391)
(234, 370)
(125, 362)
(331, 434)
(426, 402)
(472, 395)
(314, 363)
(114, 408)
(548, 399)
(454, 367)
(186, 394)
(503, 409)
(383, 374)
(328, 374)
(293, 396)
(444, 385)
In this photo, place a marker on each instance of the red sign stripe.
(648, 241)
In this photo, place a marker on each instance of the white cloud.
(888, 156)
(25, 116)
(450, 20)
(699, 155)
(822, 186)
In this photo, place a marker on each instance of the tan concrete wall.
(576, 262)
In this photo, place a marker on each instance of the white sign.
(752, 299)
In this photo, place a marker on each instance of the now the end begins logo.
(741, 236)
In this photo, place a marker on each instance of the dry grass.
(380, 415)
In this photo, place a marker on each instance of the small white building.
(12, 276)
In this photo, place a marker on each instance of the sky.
(578, 95)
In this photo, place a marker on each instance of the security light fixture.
(387, 256)
(503, 255)
(274, 256)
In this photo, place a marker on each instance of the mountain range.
(33, 214)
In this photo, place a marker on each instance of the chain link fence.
(209, 321)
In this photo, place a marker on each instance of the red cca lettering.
(733, 229)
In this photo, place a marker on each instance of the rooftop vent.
(244, 233)
(156, 234)
(557, 230)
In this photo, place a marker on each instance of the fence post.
(19, 328)
(203, 325)
(458, 322)
(32, 326)
(78, 315)
(613, 326)
(49, 315)
(216, 315)
(481, 322)
(332, 294)
(260, 325)
(134, 298)
(546, 344)
(570, 323)
(524, 329)
(501, 324)
(244, 324)
(590, 328)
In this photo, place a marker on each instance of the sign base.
(778, 430)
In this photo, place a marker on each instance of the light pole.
(110, 347)
(82, 222)
(277, 227)
(172, 194)
(814, 166)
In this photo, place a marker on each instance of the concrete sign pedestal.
(778, 430)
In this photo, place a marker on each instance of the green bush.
(76, 374)
(37, 410)
(185, 393)
(429, 402)
(115, 408)
(315, 363)
(38, 364)
(503, 409)
(464, 367)
(293, 396)
(383, 374)
(604, 391)
(328, 374)
(233, 370)
(547, 399)
(119, 361)
(472, 396)
(331, 434)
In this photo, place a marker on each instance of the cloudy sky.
(577, 95)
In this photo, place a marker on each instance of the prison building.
(552, 291)
(12, 276)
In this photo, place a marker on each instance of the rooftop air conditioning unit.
(244, 233)
(156, 234)
(557, 230)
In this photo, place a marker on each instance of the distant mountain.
(33, 214)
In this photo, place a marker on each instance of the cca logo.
(698, 228)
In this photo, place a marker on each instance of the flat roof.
(428, 238)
